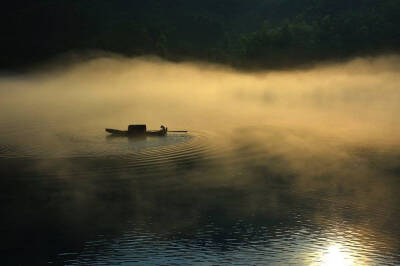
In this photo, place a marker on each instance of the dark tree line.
(263, 33)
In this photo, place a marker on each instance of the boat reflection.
(130, 137)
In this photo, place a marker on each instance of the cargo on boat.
(138, 130)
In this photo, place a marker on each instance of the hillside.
(274, 33)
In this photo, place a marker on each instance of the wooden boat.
(138, 130)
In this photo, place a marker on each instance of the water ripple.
(244, 212)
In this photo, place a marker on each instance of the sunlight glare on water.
(335, 256)
(293, 167)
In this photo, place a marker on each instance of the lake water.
(279, 168)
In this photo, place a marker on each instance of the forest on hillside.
(258, 33)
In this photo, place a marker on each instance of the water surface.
(278, 168)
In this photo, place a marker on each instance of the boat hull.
(126, 133)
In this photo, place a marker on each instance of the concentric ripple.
(6, 150)
(96, 153)
(209, 197)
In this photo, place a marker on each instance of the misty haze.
(212, 132)
(281, 167)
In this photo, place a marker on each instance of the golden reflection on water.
(322, 131)
(336, 255)
(341, 251)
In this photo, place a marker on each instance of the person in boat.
(164, 129)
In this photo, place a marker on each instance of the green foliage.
(267, 33)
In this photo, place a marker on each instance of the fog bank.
(359, 99)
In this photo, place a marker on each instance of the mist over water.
(281, 167)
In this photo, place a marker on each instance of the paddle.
(182, 131)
